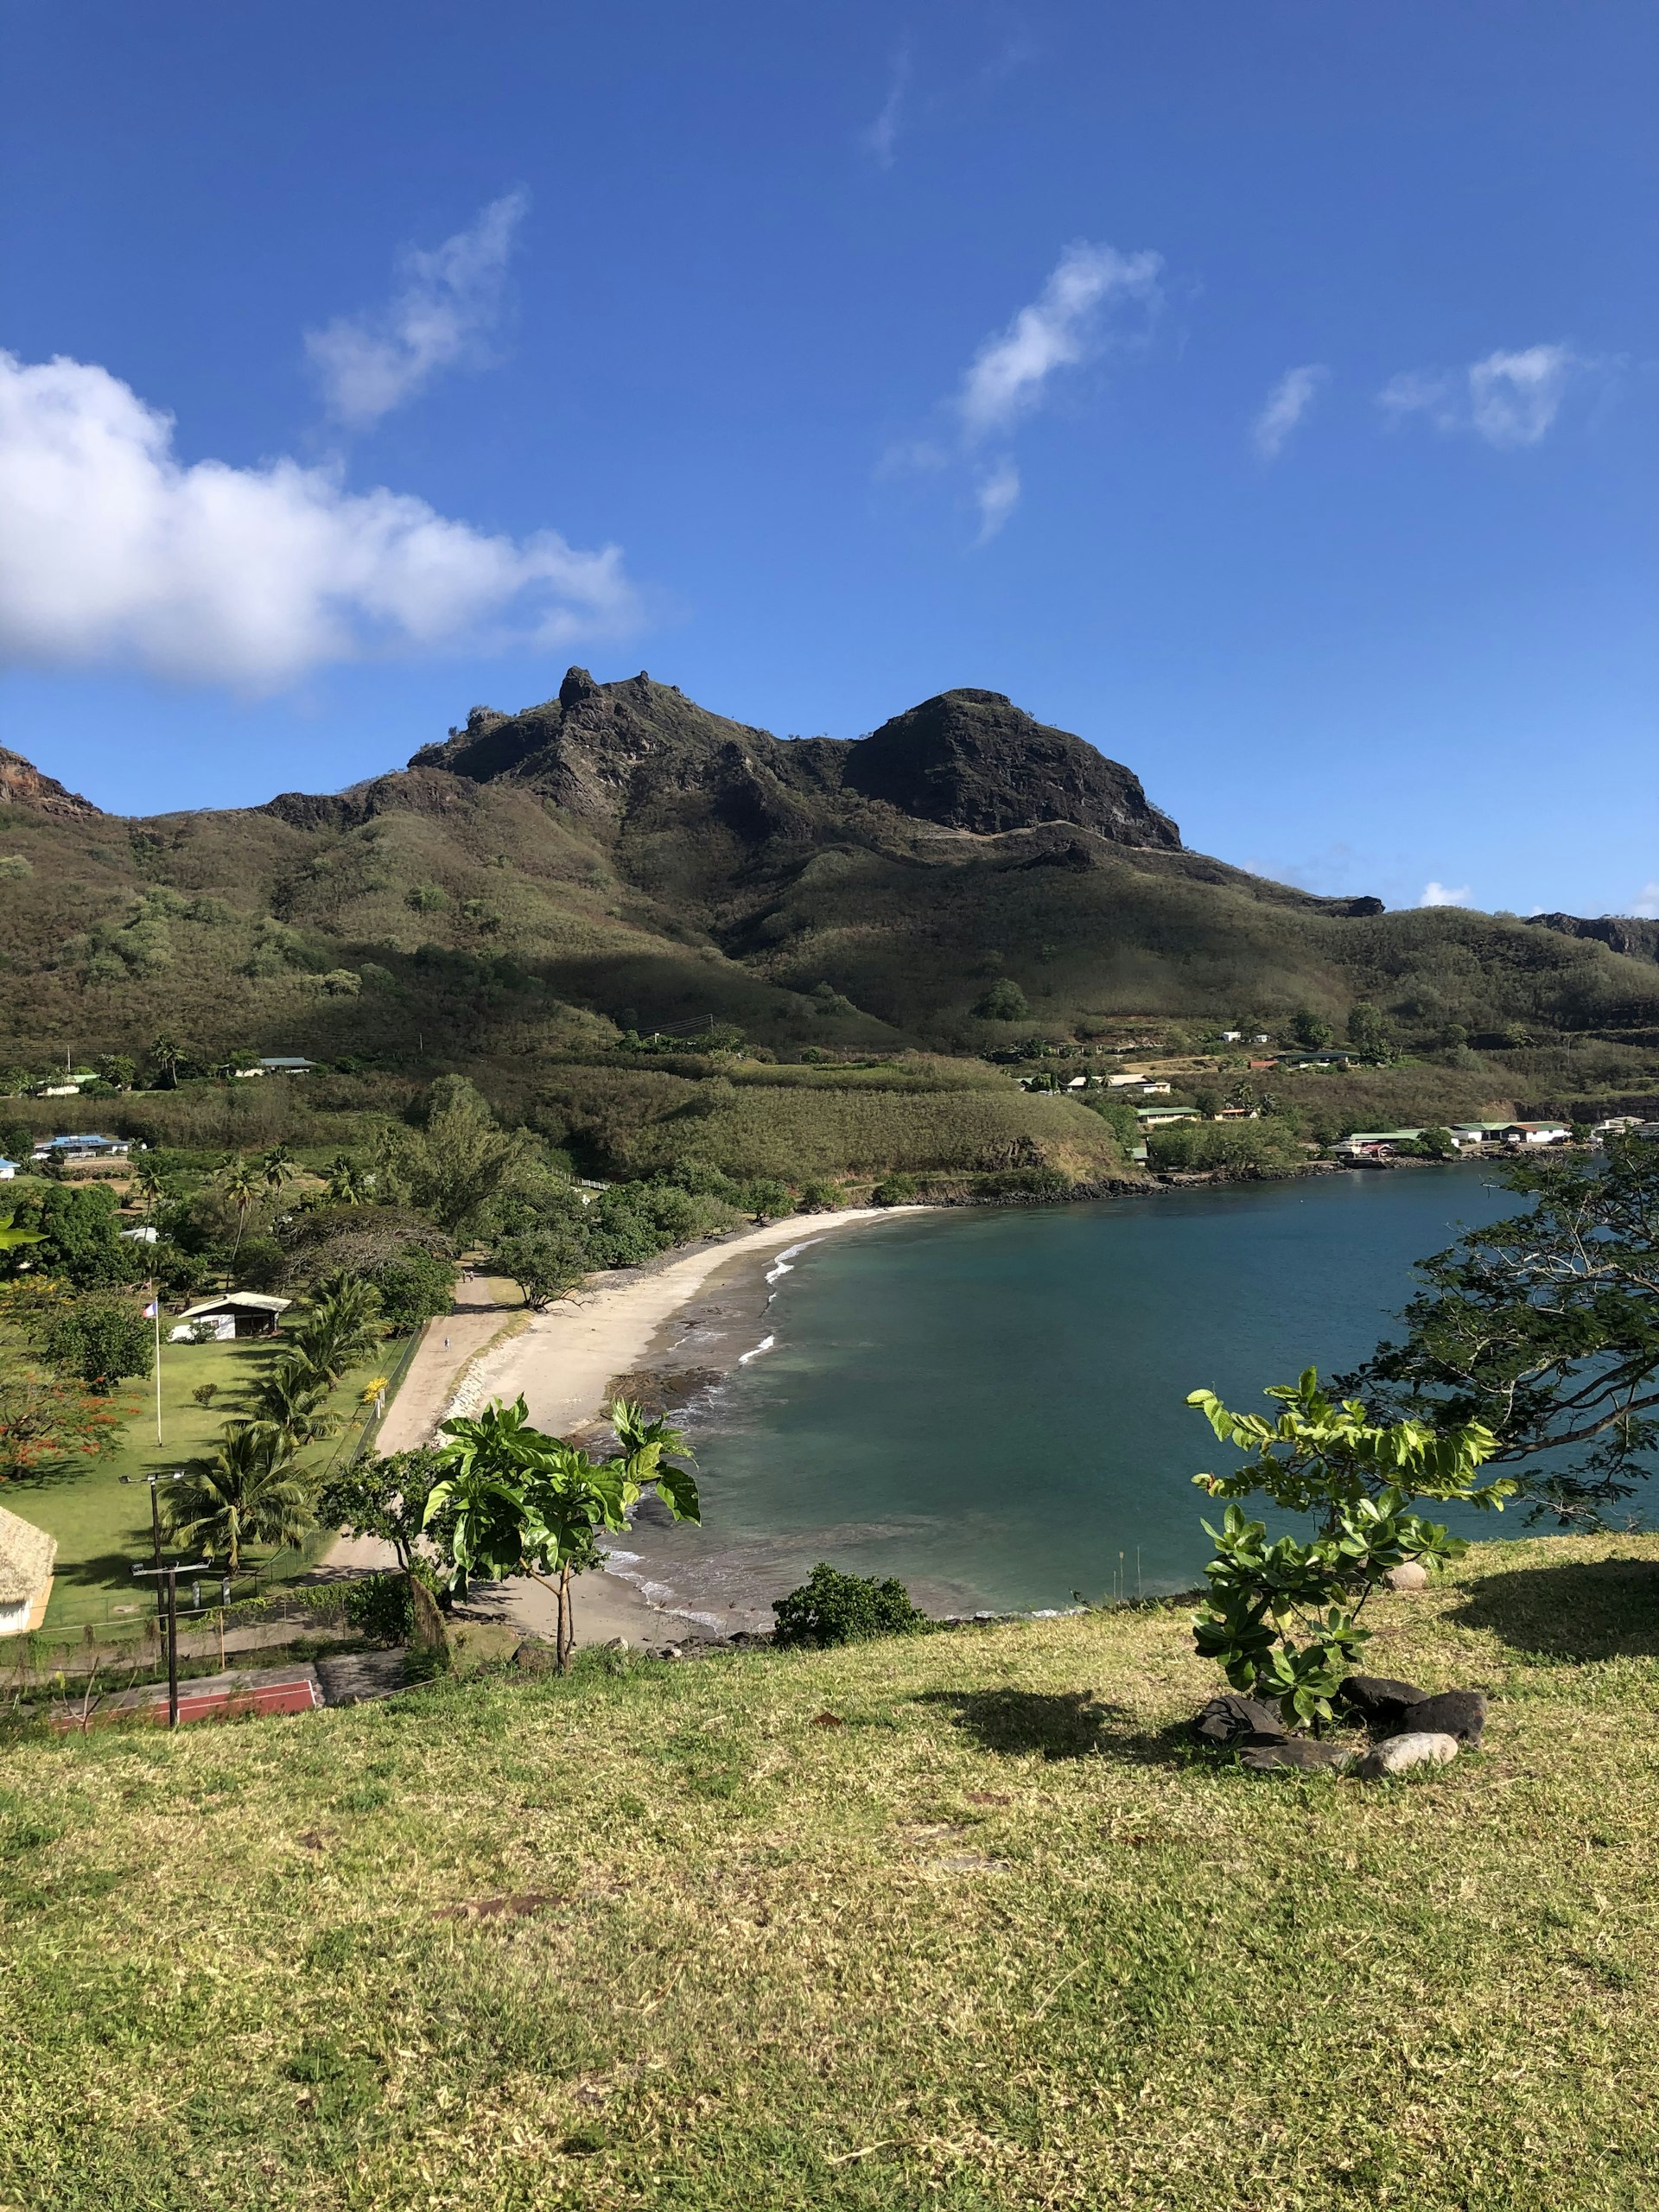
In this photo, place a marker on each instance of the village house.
(7, 1170)
(27, 1556)
(1528, 1133)
(88, 1145)
(218, 1321)
(1619, 1125)
(1374, 1143)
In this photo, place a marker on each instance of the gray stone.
(1380, 1701)
(1410, 1577)
(1294, 1753)
(354, 1677)
(532, 1657)
(1461, 1714)
(618, 1644)
(1226, 1719)
(1400, 1754)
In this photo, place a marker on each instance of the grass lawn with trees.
(961, 1919)
(103, 1526)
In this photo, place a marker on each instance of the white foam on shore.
(765, 1345)
(781, 1267)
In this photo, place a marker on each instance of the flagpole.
(156, 1311)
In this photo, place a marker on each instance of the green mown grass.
(103, 1525)
(999, 1938)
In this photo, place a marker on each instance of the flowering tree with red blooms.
(41, 1421)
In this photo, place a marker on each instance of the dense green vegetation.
(621, 860)
(960, 1919)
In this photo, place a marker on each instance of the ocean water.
(989, 1404)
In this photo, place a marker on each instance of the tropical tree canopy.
(245, 1493)
(1545, 1327)
(519, 1501)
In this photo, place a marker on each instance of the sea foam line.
(765, 1345)
(780, 1266)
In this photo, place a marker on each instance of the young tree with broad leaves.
(1545, 1327)
(1282, 1619)
(519, 1501)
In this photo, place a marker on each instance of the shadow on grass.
(1060, 1724)
(1583, 1610)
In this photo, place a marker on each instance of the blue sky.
(1266, 392)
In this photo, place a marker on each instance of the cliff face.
(972, 761)
(1627, 933)
(21, 783)
(968, 761)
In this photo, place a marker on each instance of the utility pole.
(154, 1483)
(172, 1573)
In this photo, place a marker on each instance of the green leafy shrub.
(1004, 1002)
(1282, 1619)
(830, 1607)
(895, 1191)
(379, 1607)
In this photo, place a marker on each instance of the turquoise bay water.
(989, 1404)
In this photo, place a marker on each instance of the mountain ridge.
(619, 855)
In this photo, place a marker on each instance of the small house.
(7, 1170)
(88, 1145)
(219, 1320)
(1232, 1036)
(1619, 1125)
(1374, 1144)
(285, 1064)
(27, 1556)
(1529, 1133)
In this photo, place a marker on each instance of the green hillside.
(620, 858)
(961, 1921)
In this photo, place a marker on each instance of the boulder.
(1380, 1701)
(1225, 1719)
(533, 1658)
(1411, 1576)
(1400, 1754)
(1461, 1714)
(1277, 1754)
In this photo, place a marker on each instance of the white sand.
(564, 1359)
(561, 1361)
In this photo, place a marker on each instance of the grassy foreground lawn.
(994, 1939)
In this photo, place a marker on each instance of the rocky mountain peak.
(974, 760)
(21, 783)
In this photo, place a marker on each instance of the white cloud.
(881, 139)
(1508, 399)
(998, 494)
(1442, 894)
(370, 364)
(1286, 403)
(1061, 328)
(114, 551)
(1645, 905)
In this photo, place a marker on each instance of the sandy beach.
(627, 1327)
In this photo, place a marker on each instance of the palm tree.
(289, 1405)
(167, 1053)
(345, 1181)
(147, 1181)
(242, 1184)
(245, 1493)
(277, 1167)
(342, 1327)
